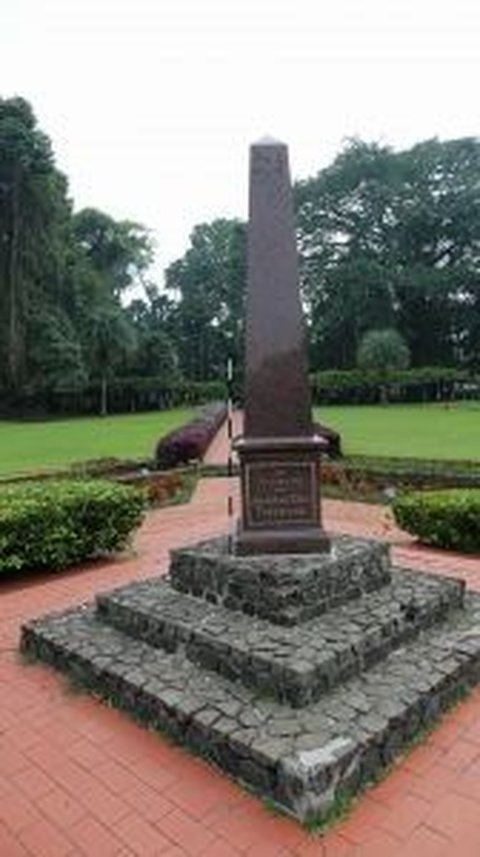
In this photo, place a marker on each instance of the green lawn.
(33, 446)
(411, 431)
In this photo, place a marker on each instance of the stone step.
(285, 589)
(302, 759)
(298, 664)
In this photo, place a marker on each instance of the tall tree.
(119, 251)
(438, 234)
(392, 239)
(110, 257)
(33, 211)
(55, 357)
(112, 339)
(63, 276)
(154, 322)
(209, 285)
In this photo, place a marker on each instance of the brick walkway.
(78, 778)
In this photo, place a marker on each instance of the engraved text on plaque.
(280, 492)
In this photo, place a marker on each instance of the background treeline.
(388, 241)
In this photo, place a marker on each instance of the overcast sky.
(151, 104)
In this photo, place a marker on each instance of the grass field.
(411, 431)
(33, 446)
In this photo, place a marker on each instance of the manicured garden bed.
(374, 479)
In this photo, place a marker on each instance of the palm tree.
(112, 339)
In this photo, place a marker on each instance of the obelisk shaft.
(279, 455)
(277, 392)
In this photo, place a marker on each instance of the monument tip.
(267, 140)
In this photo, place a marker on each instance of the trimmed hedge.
(334, 441)
(55, 523)
(191, 441)
(424, 384)
(447, 519)
(125, 395)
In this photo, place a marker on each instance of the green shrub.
(125, 395)
(55, 523)
(361, 386)
(447, 519)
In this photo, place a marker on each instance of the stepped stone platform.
(296, 665)
(300, 712)
(286, 589)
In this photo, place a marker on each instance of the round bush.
(54, 523)
(447, 519)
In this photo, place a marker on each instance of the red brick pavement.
(78, 778)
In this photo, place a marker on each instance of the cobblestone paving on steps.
(295, 758)
(295, 664)
(77, 778)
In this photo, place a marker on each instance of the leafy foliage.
(33, 212)
(62, 275)
(118, 251)
(393, 240)
(56, 523)
(446, 519)
(425, 384)
(55, 357)
(387, 240)
(155, 355)
(111, 338)
(210, 282)
(383, 350)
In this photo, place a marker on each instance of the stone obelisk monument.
(279, 453)
(299, 675)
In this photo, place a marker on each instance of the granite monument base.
(300, 711)
(280, 484)
(285, 590)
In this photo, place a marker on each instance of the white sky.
(151, 104)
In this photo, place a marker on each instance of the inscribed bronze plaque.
(280, 492)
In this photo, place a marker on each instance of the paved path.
(217, 452)
(78, 778)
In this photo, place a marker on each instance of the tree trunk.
(13, 334)
(103, 396)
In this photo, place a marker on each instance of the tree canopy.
(62, 274)
(383, 351)
(387, 241)
(209, 283)
(393, 239)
